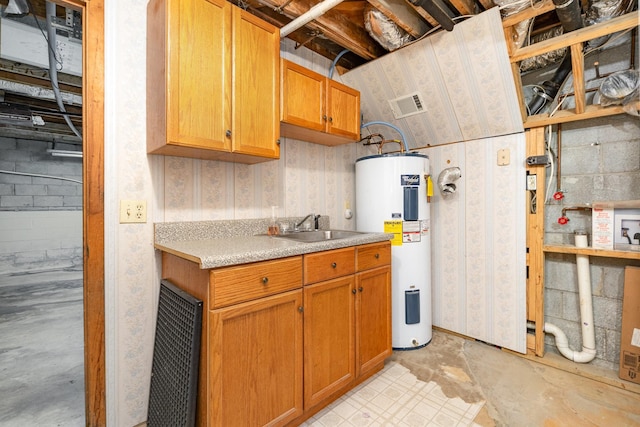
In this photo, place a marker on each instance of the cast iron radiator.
(176, 353)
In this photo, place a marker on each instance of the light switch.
(133, 211)
(503, 157)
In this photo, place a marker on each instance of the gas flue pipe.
(564, 219)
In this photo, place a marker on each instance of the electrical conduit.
(53, 71)
(588, 352)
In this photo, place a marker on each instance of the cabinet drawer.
(329, 264)
(232, 285)
(373, 255)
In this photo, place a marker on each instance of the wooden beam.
(577, 65)
(487, 4)
(335, 26)
(530, 12)
(465, 7)
(535, 146)
(93, 213)
(430, 19)
(402, 15)
(563, 116)
(582, 35)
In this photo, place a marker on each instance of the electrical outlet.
(132, 211)
(532, 182)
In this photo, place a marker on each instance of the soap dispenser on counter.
(274, 228)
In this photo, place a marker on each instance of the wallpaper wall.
(463, 76)
(307, 178)
(478, 242)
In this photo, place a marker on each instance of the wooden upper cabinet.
(317, 109)
(256, 86)
(303, 95)
(211, 92)
(343, 110)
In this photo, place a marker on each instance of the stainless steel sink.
(318, 235)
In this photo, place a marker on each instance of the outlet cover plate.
(133, 211)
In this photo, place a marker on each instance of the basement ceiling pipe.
(568, 12)
(308, 16)
(588, 352)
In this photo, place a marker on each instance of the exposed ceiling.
(342, 27)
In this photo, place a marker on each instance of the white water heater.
(391, 197)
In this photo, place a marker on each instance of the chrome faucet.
(315, 221)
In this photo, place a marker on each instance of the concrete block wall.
(40, 217)
(600, 161)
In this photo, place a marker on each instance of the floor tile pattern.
(395, 397)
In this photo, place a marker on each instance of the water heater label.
(394, 227)
(413, 180)
(411, 231)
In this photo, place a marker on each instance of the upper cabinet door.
(343, 105)
(256, 86)
(199, 105)
(303, 96)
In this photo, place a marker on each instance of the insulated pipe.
(568, 12)
(404, 140)
(335, 62)
(53, 71)
(317, 10)
(588, 352)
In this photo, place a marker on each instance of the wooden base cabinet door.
(329, 338)
(256, 362)
(373, 318)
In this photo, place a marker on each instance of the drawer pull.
(334, 265)
(360, 288)
(265, 280)
(353, 291)
(377, 256)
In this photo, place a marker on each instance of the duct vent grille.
(407, 105)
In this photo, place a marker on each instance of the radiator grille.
(174, 373)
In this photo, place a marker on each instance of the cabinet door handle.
(330, 119)
(377, 256)
(353, 291)
(334, 265)
(265, 280)
(300, 309)
(324, 117)
(360, 288)
(228, 133)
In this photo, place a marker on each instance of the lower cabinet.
(283, 338)
(256, 362)
(329, 338)
(373, 319)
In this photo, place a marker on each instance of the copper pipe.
(575, 208)
(559, 157)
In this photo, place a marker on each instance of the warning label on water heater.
(411, 231)
(406, 231)
(394, 227)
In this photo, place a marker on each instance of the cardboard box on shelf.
(630, 333)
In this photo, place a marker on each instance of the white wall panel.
(478, 256)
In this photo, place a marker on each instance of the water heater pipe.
(317, 10)
(588, 352)
(397, 129)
